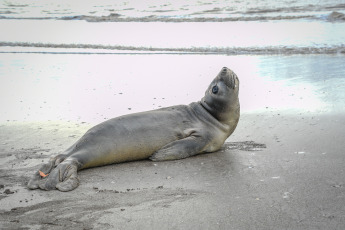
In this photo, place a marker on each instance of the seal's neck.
(229, 118)
(203, 114)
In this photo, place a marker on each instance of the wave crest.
(108, 49)
(336, 16)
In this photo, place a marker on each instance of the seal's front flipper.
(180, 149)
(44, 171)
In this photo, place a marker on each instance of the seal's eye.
(215, 89)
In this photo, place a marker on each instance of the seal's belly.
(132, 137)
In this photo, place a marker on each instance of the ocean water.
(93, 60)
(228, 27)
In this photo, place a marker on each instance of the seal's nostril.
(224, 69)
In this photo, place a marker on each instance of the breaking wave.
(114, 17)
(173, 11)
(108, 49)
(336, 16)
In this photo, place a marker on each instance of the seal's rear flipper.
(180, 149)
(45, 169)
(63, 177)
(57, 173)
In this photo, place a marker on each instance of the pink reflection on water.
(92, 88)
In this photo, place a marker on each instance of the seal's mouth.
(228, 77)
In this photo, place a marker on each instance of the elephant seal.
(170, 133)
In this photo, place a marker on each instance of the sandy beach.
(283, 168)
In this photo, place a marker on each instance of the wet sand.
(281, 169)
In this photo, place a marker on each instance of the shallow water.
(284, 37)
(92, 88)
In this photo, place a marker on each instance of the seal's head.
(221, 97)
